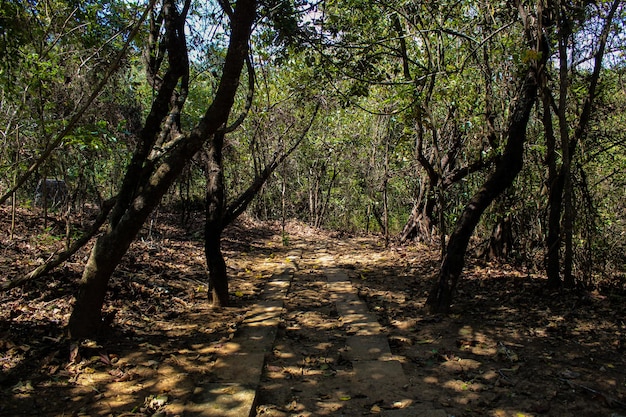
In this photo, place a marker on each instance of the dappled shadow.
(159, 346)
(508, 348)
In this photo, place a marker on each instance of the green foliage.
(391, 78)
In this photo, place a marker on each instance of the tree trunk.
(419, 226)
(385, 191)
(146, 183)
(219, 216)
(553, 240)
(555, 191)
(218, 279)
(501, 240)
(559, 181)
(507, 168)
(106, 254)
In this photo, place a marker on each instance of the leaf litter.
(509, 348)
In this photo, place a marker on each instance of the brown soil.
(508, 349)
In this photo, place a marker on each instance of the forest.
(455, 169)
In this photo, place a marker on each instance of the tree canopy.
(490, 127)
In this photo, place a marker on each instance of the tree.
(163, 147)
(50, 100)
(506, 169)
(570, 19)
(219, 213)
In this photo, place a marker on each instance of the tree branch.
(241, 203)
(74, 120)
(58, 259)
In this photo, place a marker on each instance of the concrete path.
(240, 365)
(375, 368)
(377, 371)
(239, 369)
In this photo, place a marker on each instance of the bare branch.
(59, 258)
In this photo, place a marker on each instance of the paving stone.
(375, 374)
(367, 348)
(222, 400)
(240, 364)
(413, 412)
(240, 367)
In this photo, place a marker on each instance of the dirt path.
(342, 332)
(355, 340)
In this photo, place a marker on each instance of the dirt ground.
(509, 348)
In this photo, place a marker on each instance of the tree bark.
(507, 168)
(420, 224)
(149, 182)
(218, 279)
(501, 240)
(219, 216)
(559, 180)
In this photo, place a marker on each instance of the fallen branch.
(57, 259)
(607, 399)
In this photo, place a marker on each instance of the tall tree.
(569, 27)
(506, 169)
(163, 148)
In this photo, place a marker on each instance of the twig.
(610, 401)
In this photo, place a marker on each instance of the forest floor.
(509, 347)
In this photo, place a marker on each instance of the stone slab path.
(241, 363)
(339, 365)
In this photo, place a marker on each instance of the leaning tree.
(507, 166)
(164, 146)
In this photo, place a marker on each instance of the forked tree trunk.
(420, 224)
(507, 168)
(145, 186)
(219, 216)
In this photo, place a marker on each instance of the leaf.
(104, 358)
(23, 387)
(345, 398)
(238, 294)
(74, 355)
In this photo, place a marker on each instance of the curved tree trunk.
(507, 168)
(146, 183)
(106, 254)
(219, 216)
